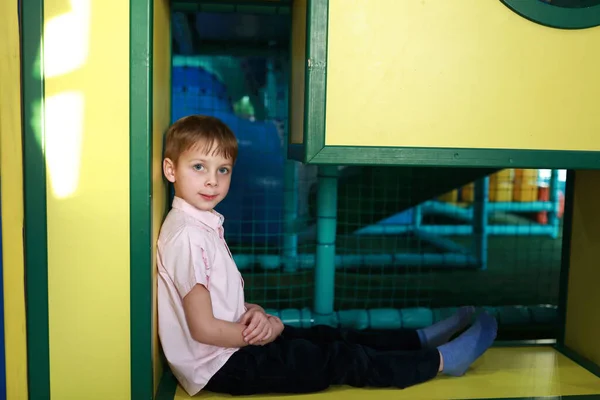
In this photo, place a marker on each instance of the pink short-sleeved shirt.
(192, 250)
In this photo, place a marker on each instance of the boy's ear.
(169, 170)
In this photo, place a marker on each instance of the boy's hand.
(258, 328)
(277, 325)
(277, 329)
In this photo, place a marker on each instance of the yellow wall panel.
(463, 73)
(161, 116)
(86, 64)
(11, 165)
(583, 319)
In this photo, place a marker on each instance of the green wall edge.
(315, 77)
(140, 201)
(34, 175)
(167, 386)
(448, 157)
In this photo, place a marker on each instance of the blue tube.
(412, 318)
(526, 206)
(417, 216)
(440, 242)
(496, 230)
(404, 259)
(326, 231)
(464, 213)
(307, 261)
(441, 207)
(480, 221)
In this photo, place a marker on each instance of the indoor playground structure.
(257, 213)
(397, 160)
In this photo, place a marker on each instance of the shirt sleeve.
(187, 259)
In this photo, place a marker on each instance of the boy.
(215, 341)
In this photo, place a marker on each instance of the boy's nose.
(211, 181)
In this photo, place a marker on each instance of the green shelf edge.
(555, 17)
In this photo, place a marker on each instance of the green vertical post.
(553, 220)
(326, 232)
(480, 221)
(290, 214)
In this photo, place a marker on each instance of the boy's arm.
(204, 327)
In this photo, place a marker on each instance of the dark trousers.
(311, 359)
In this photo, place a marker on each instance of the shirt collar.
(211, 218)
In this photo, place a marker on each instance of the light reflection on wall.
(65, 44)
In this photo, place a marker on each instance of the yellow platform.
(503, 372)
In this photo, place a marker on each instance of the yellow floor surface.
(501, 373)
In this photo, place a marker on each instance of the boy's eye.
(197, 167)
(223, 170)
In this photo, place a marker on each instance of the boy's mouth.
(208, 197)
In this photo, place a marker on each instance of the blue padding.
(197, 91)
(253, 209)
(198, 77)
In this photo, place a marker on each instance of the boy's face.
(200, 178)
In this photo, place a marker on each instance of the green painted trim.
(34, 175)
(444, 157)
(140, 204)
(315, 77)
(582, 361)
(565, 256)
(167, 386)
(556, 17)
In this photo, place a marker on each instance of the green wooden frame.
(556, 17)
(313, 150)
(36, 235)
(141, 30)
(34, 176)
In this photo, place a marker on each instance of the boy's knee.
(349, 363)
